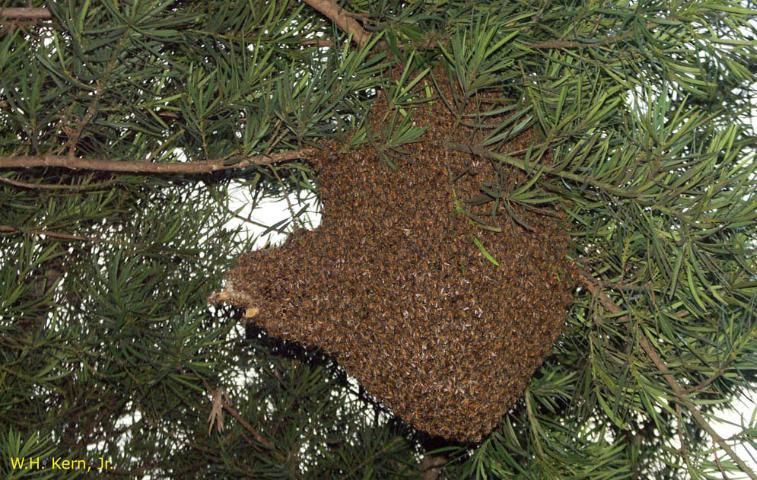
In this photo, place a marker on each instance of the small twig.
(558, 44)
(246, 425)
(73, 140)
(360, 16)
(318, 42)
(342, 19)
(698, 417)
(48, 186)
(26, 13)
(48, 233)
(593, 287)
(684, 449)
(208, 166)
(707, 382)
(720, 467)
(219, 403)
(570, 44)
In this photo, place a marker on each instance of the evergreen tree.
(124, 125)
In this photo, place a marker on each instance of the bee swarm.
(393, 286)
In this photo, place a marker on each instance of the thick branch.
(149, 167)
(343, 20)
(26, 13)
(593, 287)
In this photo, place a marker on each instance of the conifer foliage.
(124, 125)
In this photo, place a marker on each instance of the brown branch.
(7, 229)
(48, 186)
(219, 403)
(75, 133)
(706, 383)
(26, 13)
(557, 44)
(208, 166)
(569, 44)
(647, 346)
(246, 425)
(593, 288)
(318, 42)
(343, 20)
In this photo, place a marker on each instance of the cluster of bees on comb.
(393, 283)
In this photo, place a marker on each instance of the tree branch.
(219, 403)
(343, 20)
(318, 42)
(592, 286)
(25, 13)
(246, 425)
(208, 166)
(560, 44)
(49, 186)
(47, 233)
(75, 133)
(647, 346)
(569, 44)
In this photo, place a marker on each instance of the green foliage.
(639, 114)
(15, 449)
(397, 127)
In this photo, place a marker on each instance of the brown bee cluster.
(395, 285)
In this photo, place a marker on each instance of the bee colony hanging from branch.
(441, 310)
